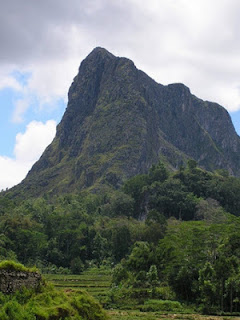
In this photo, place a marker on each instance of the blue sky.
(236, 120)
(196, 42)
(13, 122)
(10, 126)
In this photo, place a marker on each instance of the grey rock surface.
(119, 122)
(13, 280)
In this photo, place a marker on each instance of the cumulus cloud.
(28, 148)
(12, 172)
(196, 42)
(7, 81)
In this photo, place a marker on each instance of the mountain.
(119, 122)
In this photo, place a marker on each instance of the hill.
(119, 122)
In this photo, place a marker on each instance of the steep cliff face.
(119, 122)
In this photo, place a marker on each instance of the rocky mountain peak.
(100, 52)
(119, 122)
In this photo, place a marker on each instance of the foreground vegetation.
(48, 304)
(168, 236)
(44, 302)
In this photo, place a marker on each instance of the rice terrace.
(97, 282)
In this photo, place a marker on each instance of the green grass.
(14, 266)
(95, 281)
(161, 305)
(47, 303)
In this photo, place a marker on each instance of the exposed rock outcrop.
(13, 280)
(119, 122)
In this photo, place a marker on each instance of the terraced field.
(95, 281)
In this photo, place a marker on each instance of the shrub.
(77, 266)
(11, 265)
(49, 303)
(161, 305)
(165, 293)
(119, 274)
(88, 308)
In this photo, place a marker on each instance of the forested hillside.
(177, 233)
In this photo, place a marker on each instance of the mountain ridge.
(119, 122)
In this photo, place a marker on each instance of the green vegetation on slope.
(170, 236)
(47, 303)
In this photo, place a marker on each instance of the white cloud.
(21, 107)
(52, 80)
(30, 144)
(193, 42)
(48, 83)
(7, 81)
(196, 42)
(28, 148)
(12, 172)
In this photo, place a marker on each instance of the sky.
(195, 42)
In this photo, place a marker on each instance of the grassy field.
(97, 283)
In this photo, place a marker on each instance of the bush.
(165, 293)
(119, 274)
(161, 305)
(14, 266)
(53, 269)
(88, 308)
(48, 304)
(77, 266)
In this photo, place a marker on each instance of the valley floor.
(136, 315)
(97, 283)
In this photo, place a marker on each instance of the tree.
(134, 188)
(158, 173)
(119, 274)
(191, 164)
(152, 277)
(122, 204)
(141, 257)
(172, 199)
(121, 241)
(210, 210)
(207, 287)
(100, 248)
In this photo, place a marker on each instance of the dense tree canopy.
(176, 229)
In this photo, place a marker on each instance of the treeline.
(183, 194)
(177, 231)
(72, 232)
(196, 262)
